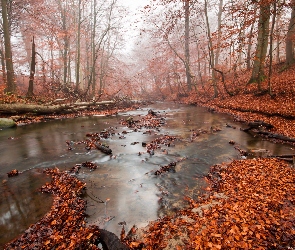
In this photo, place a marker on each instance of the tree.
(78, 59)
(187, 41)
(211, 52)
(258, 74)
(63, 9)
(218, 32)
(10, 85)
(30, 92)
(290, 37)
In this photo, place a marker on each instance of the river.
(125, 182)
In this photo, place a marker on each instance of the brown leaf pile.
(167, 168)
(12, 173)
(149, 121)
(251, 205)
(64, 226)
(166, 140)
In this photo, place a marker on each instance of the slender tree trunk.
(78, 47)
(219, 32)
(101, 75)
(270, 47)
(262, 43)
(51, 60)
(69, 71)
(290, 37)
(3, 67)
(186, 42)
(278, 38)
(211, 53)
(241, 45)
(199, 66)
(249, 47)
(250, 42)
(168, 84)
(65, 40)
(10, 86)
(93, 72)
(30, 92)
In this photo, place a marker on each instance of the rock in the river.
(7, 123)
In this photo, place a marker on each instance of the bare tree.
(10, 85)
(78, 59)
(30, 92)
(211, 52)
(187, 41)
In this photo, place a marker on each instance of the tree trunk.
(65, 40)
(219, 32)
(291, 37)
(93, 72)
(211, 53)
(278, 38)
(52, 71)
(30, 92)
(270, 47)
(199, 66)
(3, 67)
(249, 47)
(262, 42)
(78, 47)
(186, 43)
(10, 86)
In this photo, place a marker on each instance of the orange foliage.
(251, 205)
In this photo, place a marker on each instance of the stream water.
(123, 189)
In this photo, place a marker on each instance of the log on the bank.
(110, 241)
(103, 148)
(258, 125)
(276, 136)
(89, 104)
(18, 108)
(51, 108)
(288, 158)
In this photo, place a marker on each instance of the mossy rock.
(7, 123)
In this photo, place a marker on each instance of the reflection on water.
(21, 204)
(123, 187)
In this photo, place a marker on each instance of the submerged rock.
(7, 123)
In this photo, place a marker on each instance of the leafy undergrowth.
(250, 205)
(64, 226)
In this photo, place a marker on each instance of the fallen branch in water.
(102, 148)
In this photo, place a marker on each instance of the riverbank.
(107, 109)
(247, 108)
(248, 104)
(250, 204)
